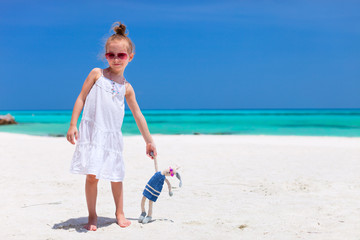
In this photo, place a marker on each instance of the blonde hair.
(120, 34)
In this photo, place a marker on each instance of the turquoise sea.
(248, 122)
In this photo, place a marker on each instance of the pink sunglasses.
(121, 56)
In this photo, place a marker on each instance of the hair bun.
(120, 34)
(120, 29)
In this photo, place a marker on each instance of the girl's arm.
(79, 103)
(140, 120)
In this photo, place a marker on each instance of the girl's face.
(117, 55)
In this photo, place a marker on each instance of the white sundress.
(99, 149)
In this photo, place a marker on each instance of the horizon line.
(199, 109)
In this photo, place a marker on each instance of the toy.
(153, 189)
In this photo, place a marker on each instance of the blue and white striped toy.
(153, 189)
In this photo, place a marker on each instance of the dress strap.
(102, 72)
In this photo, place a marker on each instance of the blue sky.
(189, 54)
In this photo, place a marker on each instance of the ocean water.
(247, 122)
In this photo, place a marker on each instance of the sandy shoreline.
(234, 187)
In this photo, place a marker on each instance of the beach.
(234, 187)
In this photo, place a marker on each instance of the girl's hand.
(71, 133)
(150, 147)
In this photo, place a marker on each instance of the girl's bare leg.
(117, 189)
(91, 194)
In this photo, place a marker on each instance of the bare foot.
(91, 225)
(122, 221)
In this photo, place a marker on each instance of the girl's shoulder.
(128, 89)
(96, 73)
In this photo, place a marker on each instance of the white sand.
(276, 187)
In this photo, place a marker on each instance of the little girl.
(99, 150)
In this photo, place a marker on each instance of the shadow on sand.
(79, 223)
(161, 220)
